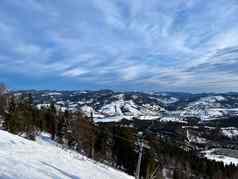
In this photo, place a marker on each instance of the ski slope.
(24, 159)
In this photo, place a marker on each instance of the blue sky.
(175, 45)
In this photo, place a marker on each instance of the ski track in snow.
(43, 159)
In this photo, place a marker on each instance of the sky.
(173, 45)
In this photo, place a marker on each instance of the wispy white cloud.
(74, 72)
(129, 44)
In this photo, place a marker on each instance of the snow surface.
(206, 108)
(172, 119)
(230, 132)
(115, 108)
(109, 119)
(220, 158)
(206, 112)
(195, 139)
(43, 159)
(87, 110)
(129, 108)
(57, 106)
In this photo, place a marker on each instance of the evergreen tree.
(50, 120)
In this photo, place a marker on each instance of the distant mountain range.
(107, 105)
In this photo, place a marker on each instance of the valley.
(198, 122)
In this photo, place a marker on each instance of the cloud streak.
(160, 45)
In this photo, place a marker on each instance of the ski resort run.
(43, 159)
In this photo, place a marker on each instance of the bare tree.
(3, 89)
(3, 102)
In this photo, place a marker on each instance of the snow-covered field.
(172, 119)
(209, 154)
(230, 132)
(24, 159)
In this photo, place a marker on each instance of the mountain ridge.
(107, 103)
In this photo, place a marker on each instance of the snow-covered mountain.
(43, 159)
(102, 104)
(210, 107)
(165, 105)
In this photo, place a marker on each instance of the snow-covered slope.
(208, 108)
(121, 107)
(200, 106)
(227, 160)
(230, 132)
(24, 159)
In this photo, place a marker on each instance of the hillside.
(107, 105)
(24, 159)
